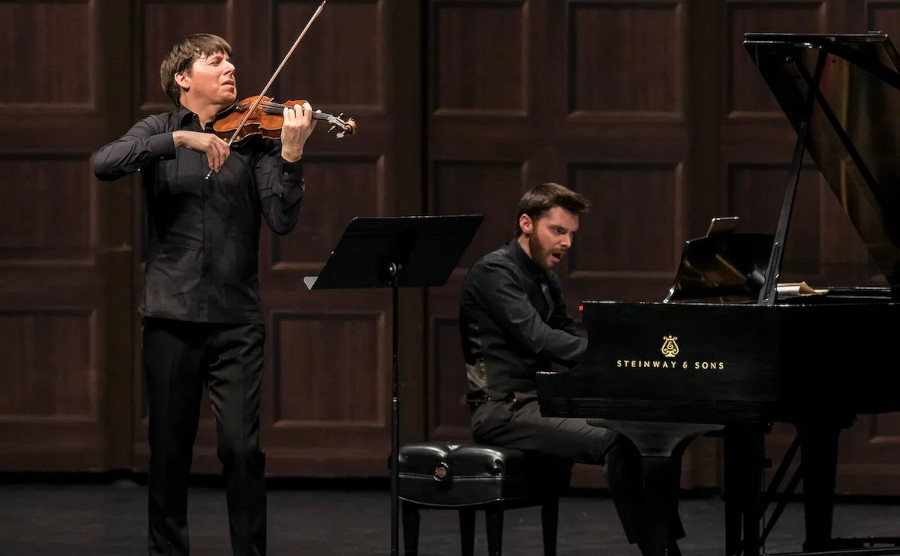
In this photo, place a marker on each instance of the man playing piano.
(513, 322)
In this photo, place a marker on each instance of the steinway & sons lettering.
(673, 364)
(670, 349)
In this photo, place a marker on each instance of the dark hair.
(182, 57)
(546, 196)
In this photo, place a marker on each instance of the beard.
(538, 254)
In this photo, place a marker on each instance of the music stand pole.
(394, 271)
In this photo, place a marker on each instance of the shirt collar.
(184, 116)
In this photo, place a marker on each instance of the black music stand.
(409, 251)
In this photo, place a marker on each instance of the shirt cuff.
(291, 167)
(291, 172)
(291, 182)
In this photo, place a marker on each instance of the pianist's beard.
(540, 254)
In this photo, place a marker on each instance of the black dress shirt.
(203, 234)
(513, 322)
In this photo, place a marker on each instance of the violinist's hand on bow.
(297, 127)
(215, 148)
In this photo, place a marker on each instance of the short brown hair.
(182, 57)
(546, 196)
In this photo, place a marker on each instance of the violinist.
(202, 327)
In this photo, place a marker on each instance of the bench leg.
(410, 528)
(493, 518)
(549, 524)
(467, 531)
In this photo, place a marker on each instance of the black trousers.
(518, 424)
(180, 360)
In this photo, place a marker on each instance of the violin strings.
(277, 108)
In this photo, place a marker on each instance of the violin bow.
(274, 75)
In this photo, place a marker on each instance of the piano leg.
(819, 450)
(661, 446)
(744, 453)
(659, 497)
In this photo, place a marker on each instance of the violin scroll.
(347, 127)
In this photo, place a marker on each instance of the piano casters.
(661, 446)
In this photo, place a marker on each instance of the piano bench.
(468, 477)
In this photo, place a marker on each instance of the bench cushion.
(468, 474)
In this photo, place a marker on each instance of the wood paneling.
(488, 188)
(651, 198)
(339, 189)
(448, 413)
(349, 394)
(466, 79)
(645, 77)
(57, 67)
(42, 232)
(59, 382)
(652, 108)
(55, 264)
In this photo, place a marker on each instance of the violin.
(268, 118)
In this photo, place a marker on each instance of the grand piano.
(729, 351)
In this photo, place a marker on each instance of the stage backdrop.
(652, 108)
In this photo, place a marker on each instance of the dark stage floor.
(40, 517)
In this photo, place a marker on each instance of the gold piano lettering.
(676, 364)
(713, 365)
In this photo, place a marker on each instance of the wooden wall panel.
(55, 265)
(56, 68)
(448, 414)
(645, 77)
(325, 399)
(608, 234)
(339, 189)
(341, 61)
(491, 189)
(468, 80)
(64, 231)
(650, 107)
(343, 395)
(41, 382)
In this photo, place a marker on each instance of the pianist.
(513, 322)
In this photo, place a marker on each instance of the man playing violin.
(202, 325)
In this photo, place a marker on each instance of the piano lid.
(854, 123)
